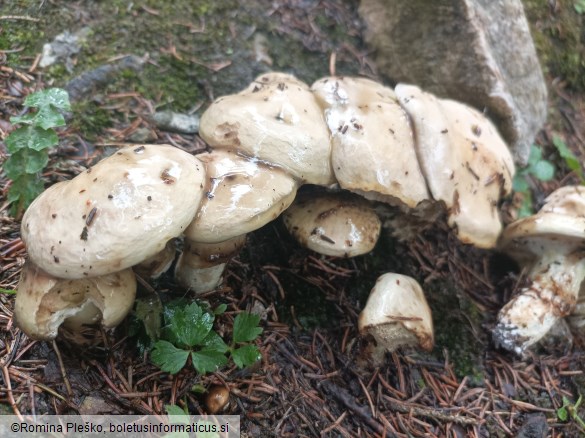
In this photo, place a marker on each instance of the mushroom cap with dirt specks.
(44, 302)
(465, 162)
(397, 314)
(276, 119)
(241, 195)
(372, 150)
(116, 214)
(336, 224)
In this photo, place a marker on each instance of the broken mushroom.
(396, 315)
(338, 224)
(116, 214)
(549, 245)
(44, 302)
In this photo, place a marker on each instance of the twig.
(19, 17)
(63, 373)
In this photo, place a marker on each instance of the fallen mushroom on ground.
(549, 245)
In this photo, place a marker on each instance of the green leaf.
(56, 97)
(520, 184)
(27, 119)
(48, 117)
(246, 327)
(168, 357)
(246, 355)
(543, 170)
(220, 309)
(149, 310)
(177, 415)
(25, 161)
(190, 325)
(208, 360)
(562, 413)
(567, 155)
(214, 342)
(23, 192)
(535, 155)
(31, 137)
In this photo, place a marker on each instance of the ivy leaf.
(56, 97)
(31, 137)
(246, 327)
(208, 360)
(246, 355)
(168, 357)
(25, 161)
(48, 117)
(27, 119)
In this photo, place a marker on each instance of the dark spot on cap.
(139, 150)
(83, 235)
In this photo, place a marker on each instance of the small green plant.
(178, 415)
(188, 333)
(28, 145)
(569, 158)
(538, 168)
(570, 410)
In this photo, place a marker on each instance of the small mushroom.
(242, 195)
(116, 214)
(44, 302)
(465, 162)
(549, 245)
(217, 399)
(277, 120)
(372, 151)
(396, 315)
(338, 224)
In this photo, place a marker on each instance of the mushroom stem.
(551, 295)
(201, 265)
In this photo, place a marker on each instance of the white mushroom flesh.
(116, 214)
(397, 315)
(44, 302)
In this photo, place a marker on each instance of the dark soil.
(310, 381)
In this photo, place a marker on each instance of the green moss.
(559, 36)
(89, 119)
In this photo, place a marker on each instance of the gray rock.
(476, 51)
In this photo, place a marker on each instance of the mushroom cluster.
(363, 143)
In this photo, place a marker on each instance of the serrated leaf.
(246, 327)
(246, 355)
(148, 311)
(31, 137)
(543, 170)
(168, 357)
(214, 342)
(208, 360)
(56, 97)
(190, 325)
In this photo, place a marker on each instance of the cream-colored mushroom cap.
(241, 195)
(567, 200)
(277, 120)
(373, 150)
(335, 224)
(116, 214)
(464, 160)
(44, 302)
(397, 314)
